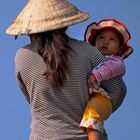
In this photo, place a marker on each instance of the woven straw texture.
(45, 15)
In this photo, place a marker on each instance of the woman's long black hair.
(55, 51)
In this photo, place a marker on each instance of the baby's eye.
(113, 39)
(100, 36)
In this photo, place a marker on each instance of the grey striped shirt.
(56, 114)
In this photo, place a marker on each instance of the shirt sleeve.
(116, 89)
(18, 72)
(22, 87)
(111, 68)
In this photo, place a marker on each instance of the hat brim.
(46, 15)
(93, 28)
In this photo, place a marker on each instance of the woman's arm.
(18, 72)
(115, 87)
(22, 87)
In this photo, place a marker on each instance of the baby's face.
(108, 42)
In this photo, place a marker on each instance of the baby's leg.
(98, 109)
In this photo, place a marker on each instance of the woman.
(52, 71)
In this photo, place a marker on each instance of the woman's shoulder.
(26, 54)
(22, 49)
(25, 51)
(79, 42)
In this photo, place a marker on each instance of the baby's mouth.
(104, 48)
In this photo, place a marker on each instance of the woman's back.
(56, 114)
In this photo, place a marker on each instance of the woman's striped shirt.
(56, 114)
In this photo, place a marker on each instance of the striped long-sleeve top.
(56, 114)
(112, 67)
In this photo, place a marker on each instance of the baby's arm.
(111, 68)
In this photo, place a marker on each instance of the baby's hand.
(91, 83)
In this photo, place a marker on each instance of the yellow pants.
(98, 109)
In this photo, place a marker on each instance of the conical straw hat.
(45, 15)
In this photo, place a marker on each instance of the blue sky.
(15, 117)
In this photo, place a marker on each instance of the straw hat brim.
(46, 15)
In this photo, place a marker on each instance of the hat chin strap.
(127, 53)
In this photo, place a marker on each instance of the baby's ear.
(127, 52)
